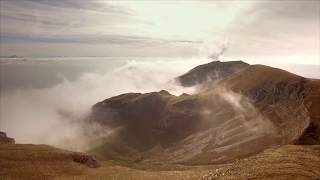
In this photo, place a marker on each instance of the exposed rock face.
(5, 140)
(244, 113)
(85, 159)
(211, 72)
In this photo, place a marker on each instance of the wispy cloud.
(104, 39)
(253, 28)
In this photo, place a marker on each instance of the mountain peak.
(210, 72)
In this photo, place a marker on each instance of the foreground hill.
(286, 162)
(26, 161)
(244, 113)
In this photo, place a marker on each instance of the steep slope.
(242, 114)
(210, 72)
(274, 91)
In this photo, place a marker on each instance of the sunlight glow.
(187, 19)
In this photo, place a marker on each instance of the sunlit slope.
(286, 162)
(37, 162)
(27, 161)
(210, 72)
(243, 114)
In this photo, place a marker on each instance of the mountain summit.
(210, 72)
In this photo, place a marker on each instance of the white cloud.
(55, 115)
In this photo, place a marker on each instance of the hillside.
(26, 161)
(286, 162)
(242, 114)
(273, 89)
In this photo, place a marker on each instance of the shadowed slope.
(148, 119)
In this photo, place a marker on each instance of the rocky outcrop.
(5, 140)
(86, 160)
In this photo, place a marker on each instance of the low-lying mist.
(55, 115)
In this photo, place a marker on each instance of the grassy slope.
(44, 162)
(286, 162)
(255, 75)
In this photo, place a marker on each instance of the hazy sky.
(288, 29)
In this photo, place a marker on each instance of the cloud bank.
(55, 115)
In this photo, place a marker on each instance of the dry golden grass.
(45, 162)
(285, 162)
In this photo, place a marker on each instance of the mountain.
(210, 72)
(256, 122)
(249, 109)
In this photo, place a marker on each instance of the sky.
(287, 31)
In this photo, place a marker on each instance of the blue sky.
(249, 29)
